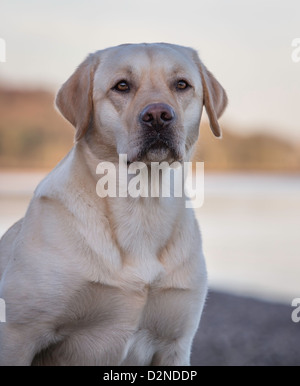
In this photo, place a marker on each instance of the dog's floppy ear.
(214, 98)
(75, 98)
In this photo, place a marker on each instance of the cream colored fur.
(110, 281)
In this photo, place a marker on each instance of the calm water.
(250, 226)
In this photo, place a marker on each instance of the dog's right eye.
(121, 86)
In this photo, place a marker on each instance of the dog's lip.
(156, 149)
(158, 141)
(156, 145)
(151, 142)
(159, 144)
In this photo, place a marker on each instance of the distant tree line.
(34, 136)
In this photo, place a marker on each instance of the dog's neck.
(152, 219)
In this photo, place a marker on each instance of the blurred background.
(250, 220)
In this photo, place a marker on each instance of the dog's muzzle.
(157, 121)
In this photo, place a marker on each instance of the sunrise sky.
(246, 44)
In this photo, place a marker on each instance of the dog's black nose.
(157, 115)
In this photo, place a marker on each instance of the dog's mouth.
(159, 151)
(158, 148)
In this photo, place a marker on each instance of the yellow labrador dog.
(115, 280)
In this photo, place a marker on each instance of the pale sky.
(247, 44)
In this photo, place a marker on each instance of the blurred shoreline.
(33, 135)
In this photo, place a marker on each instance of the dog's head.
(143, 100)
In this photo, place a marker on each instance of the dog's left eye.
(122, 86)
(182, 85)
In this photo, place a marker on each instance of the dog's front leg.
(18, 344)
(175, 353)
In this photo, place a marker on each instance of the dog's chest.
(142, 226)
(130, 283)
(142, 231)
(137, 243)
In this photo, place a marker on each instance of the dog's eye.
(182, 85)
(122, 86)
